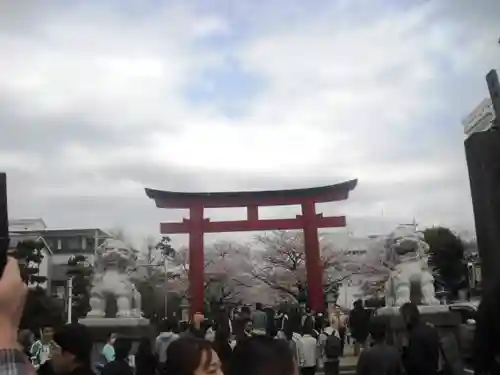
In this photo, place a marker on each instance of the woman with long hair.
(262, 355)
(145, 359)
(192, 356)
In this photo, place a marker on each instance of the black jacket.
(118, 367)
(192, 332)
(359, 321)
(146, 365)
(46, 369)
(421, 356)
(379, 359)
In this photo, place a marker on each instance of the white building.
(355, 251)
(60, 246)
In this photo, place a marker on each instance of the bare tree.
(282, 263)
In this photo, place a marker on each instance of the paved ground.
(348, 361)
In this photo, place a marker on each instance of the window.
(59, 244)
(73, 243)
(84, 243)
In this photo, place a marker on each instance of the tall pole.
(165, 285)
(315, 293)
(96, 244)
(196, 260)
(70, 299)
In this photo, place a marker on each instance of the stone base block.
(133, 329)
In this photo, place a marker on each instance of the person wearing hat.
(71, 352)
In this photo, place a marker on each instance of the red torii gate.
(197, 225)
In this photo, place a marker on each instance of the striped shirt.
(15, 362)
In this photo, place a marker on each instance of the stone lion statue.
(113, 262)
(410, 278)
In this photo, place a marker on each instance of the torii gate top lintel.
(330, 193)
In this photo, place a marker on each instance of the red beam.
(252, 225)
(253, 213)
(250, 201)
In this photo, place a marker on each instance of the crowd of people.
(255, 343)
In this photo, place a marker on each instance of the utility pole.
(165, 284)
(70, 299)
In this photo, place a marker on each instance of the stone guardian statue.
(113, 263)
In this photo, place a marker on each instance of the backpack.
(332, 347)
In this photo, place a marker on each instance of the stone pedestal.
(446, 322)
(132, 329)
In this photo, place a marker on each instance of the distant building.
(65, 244)
(356, 251)
(61, 245)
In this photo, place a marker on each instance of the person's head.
(248, 325)
(167, 325)
(245, 311)
(72, 348)
(47, 332)
(308, 327)
(258, 306)
(319, 323)
(122, 348)
(262, 355)
(410, 314)
(25, 338)
(288, 330)
(111, 338)
(192, 356)
(378, 330)
(358, 304)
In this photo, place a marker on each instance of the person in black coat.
(421, 355)
(359, 320)
(120, 366)
(222, 347)
(195, 328)
(145, 360)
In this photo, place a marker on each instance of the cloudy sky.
(100, 99)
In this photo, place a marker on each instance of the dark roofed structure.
(171, 199)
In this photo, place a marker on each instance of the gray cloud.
(401, 131)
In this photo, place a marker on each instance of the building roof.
(171, 199)
(26, 224)
(91, 232)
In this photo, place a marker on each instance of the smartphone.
(4, 223)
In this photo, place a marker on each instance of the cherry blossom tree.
(227, 272)
(281, 264)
